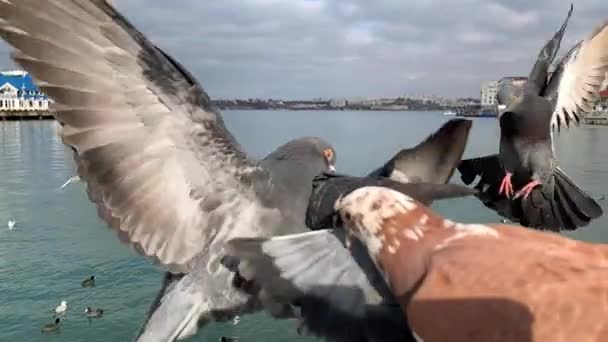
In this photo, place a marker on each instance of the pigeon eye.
(347, 216)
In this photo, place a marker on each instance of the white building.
(337, 103)
(18, 93)
(488, 93)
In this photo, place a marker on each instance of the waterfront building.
(488, 93)
(19, 94)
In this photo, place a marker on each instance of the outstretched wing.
(580, 74)
(537, 79)
(158, 161)
(341, 295)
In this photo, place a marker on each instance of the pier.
(25, 115)
(596, 118)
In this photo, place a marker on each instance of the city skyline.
(304, 49)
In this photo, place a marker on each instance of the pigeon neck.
(402, 244)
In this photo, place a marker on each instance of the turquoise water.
(58, 240)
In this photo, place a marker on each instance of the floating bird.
(11, 224)
(236, 320)
(70, 181)
(61, 308)
(229, 339)
(454, 281)
(89, 282)
(51, 326)
(93, 312)
(546, 197)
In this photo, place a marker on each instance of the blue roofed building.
(18, 93)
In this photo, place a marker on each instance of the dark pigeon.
(546, 197)
(362, 308)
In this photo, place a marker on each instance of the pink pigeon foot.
(506, 186)
(526, 190)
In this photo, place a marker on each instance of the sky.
(303, 49)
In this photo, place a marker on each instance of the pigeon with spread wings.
(546, 197)
(161, 167)
(158, 162)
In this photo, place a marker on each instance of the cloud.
(350, 48)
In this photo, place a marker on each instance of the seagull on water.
(61, 308)
(11, 224)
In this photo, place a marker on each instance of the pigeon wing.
(537, 79)
(431, 161)
(341, 295)
(159, 164)
(580, 81)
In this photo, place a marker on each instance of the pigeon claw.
(506, 186)
(527, 189)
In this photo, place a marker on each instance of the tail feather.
(540, 211)
(565, 207)
(583, 207)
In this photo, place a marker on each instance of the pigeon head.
(313, 150)
(364, 212)
(508, 92)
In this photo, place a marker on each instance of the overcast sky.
(348, 48)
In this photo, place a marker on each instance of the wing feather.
(161, 167)
(341, 294)
(580, 81)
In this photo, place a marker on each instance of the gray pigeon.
(360, 307)
(546, 197)
(158, 161)
(161, 167)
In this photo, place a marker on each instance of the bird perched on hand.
(524, 182)
(454, 281)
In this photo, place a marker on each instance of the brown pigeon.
(480, 282)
